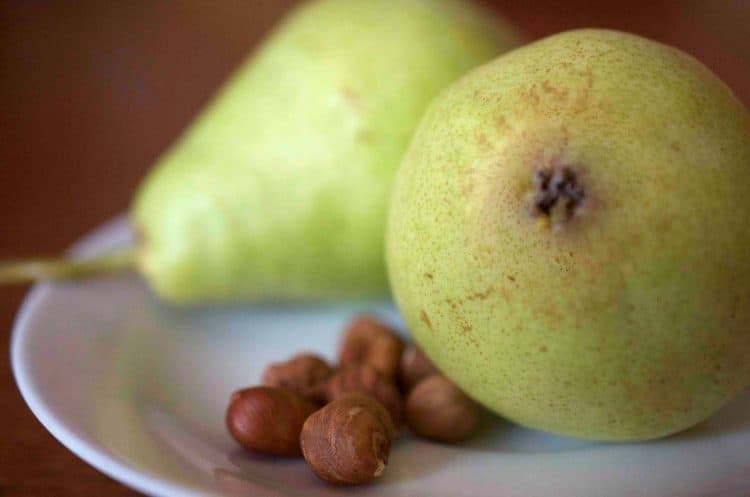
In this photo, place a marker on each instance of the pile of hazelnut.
(344, 420)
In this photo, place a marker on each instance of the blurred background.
(92, 91)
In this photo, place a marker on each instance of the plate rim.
(139, 479)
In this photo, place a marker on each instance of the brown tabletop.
(92, 91)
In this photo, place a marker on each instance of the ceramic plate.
(138, 390)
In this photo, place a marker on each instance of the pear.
(280, 188)
(568, 237)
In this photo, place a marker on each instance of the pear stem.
(31, 270)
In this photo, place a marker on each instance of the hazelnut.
(348, 441)
(366, 380)
(438, 410)
(368, 341)
(268, 420)
(303, 374)
(415, 366)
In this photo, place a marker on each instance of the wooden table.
(92, 91)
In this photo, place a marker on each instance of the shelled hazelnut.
(366, 380)
(349, 440)
(369, 341)
(268, 420)
(437, 409)
(304, 374)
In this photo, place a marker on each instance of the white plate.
(138, 390)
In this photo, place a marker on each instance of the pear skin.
(280, 188)
(568, 237)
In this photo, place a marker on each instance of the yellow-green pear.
(569, 237)
(280, 188)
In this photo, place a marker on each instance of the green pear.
(281, 188)
(568, 237)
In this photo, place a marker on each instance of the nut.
(364, 379)
(268, 420)
(438, 410)
(415, 366)
(348, 441)
(303, 374)
(368, 341)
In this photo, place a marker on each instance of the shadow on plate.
(732, 418)
(497, 435)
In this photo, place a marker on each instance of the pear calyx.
(558, 194)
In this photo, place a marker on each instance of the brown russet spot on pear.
(425, 319)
